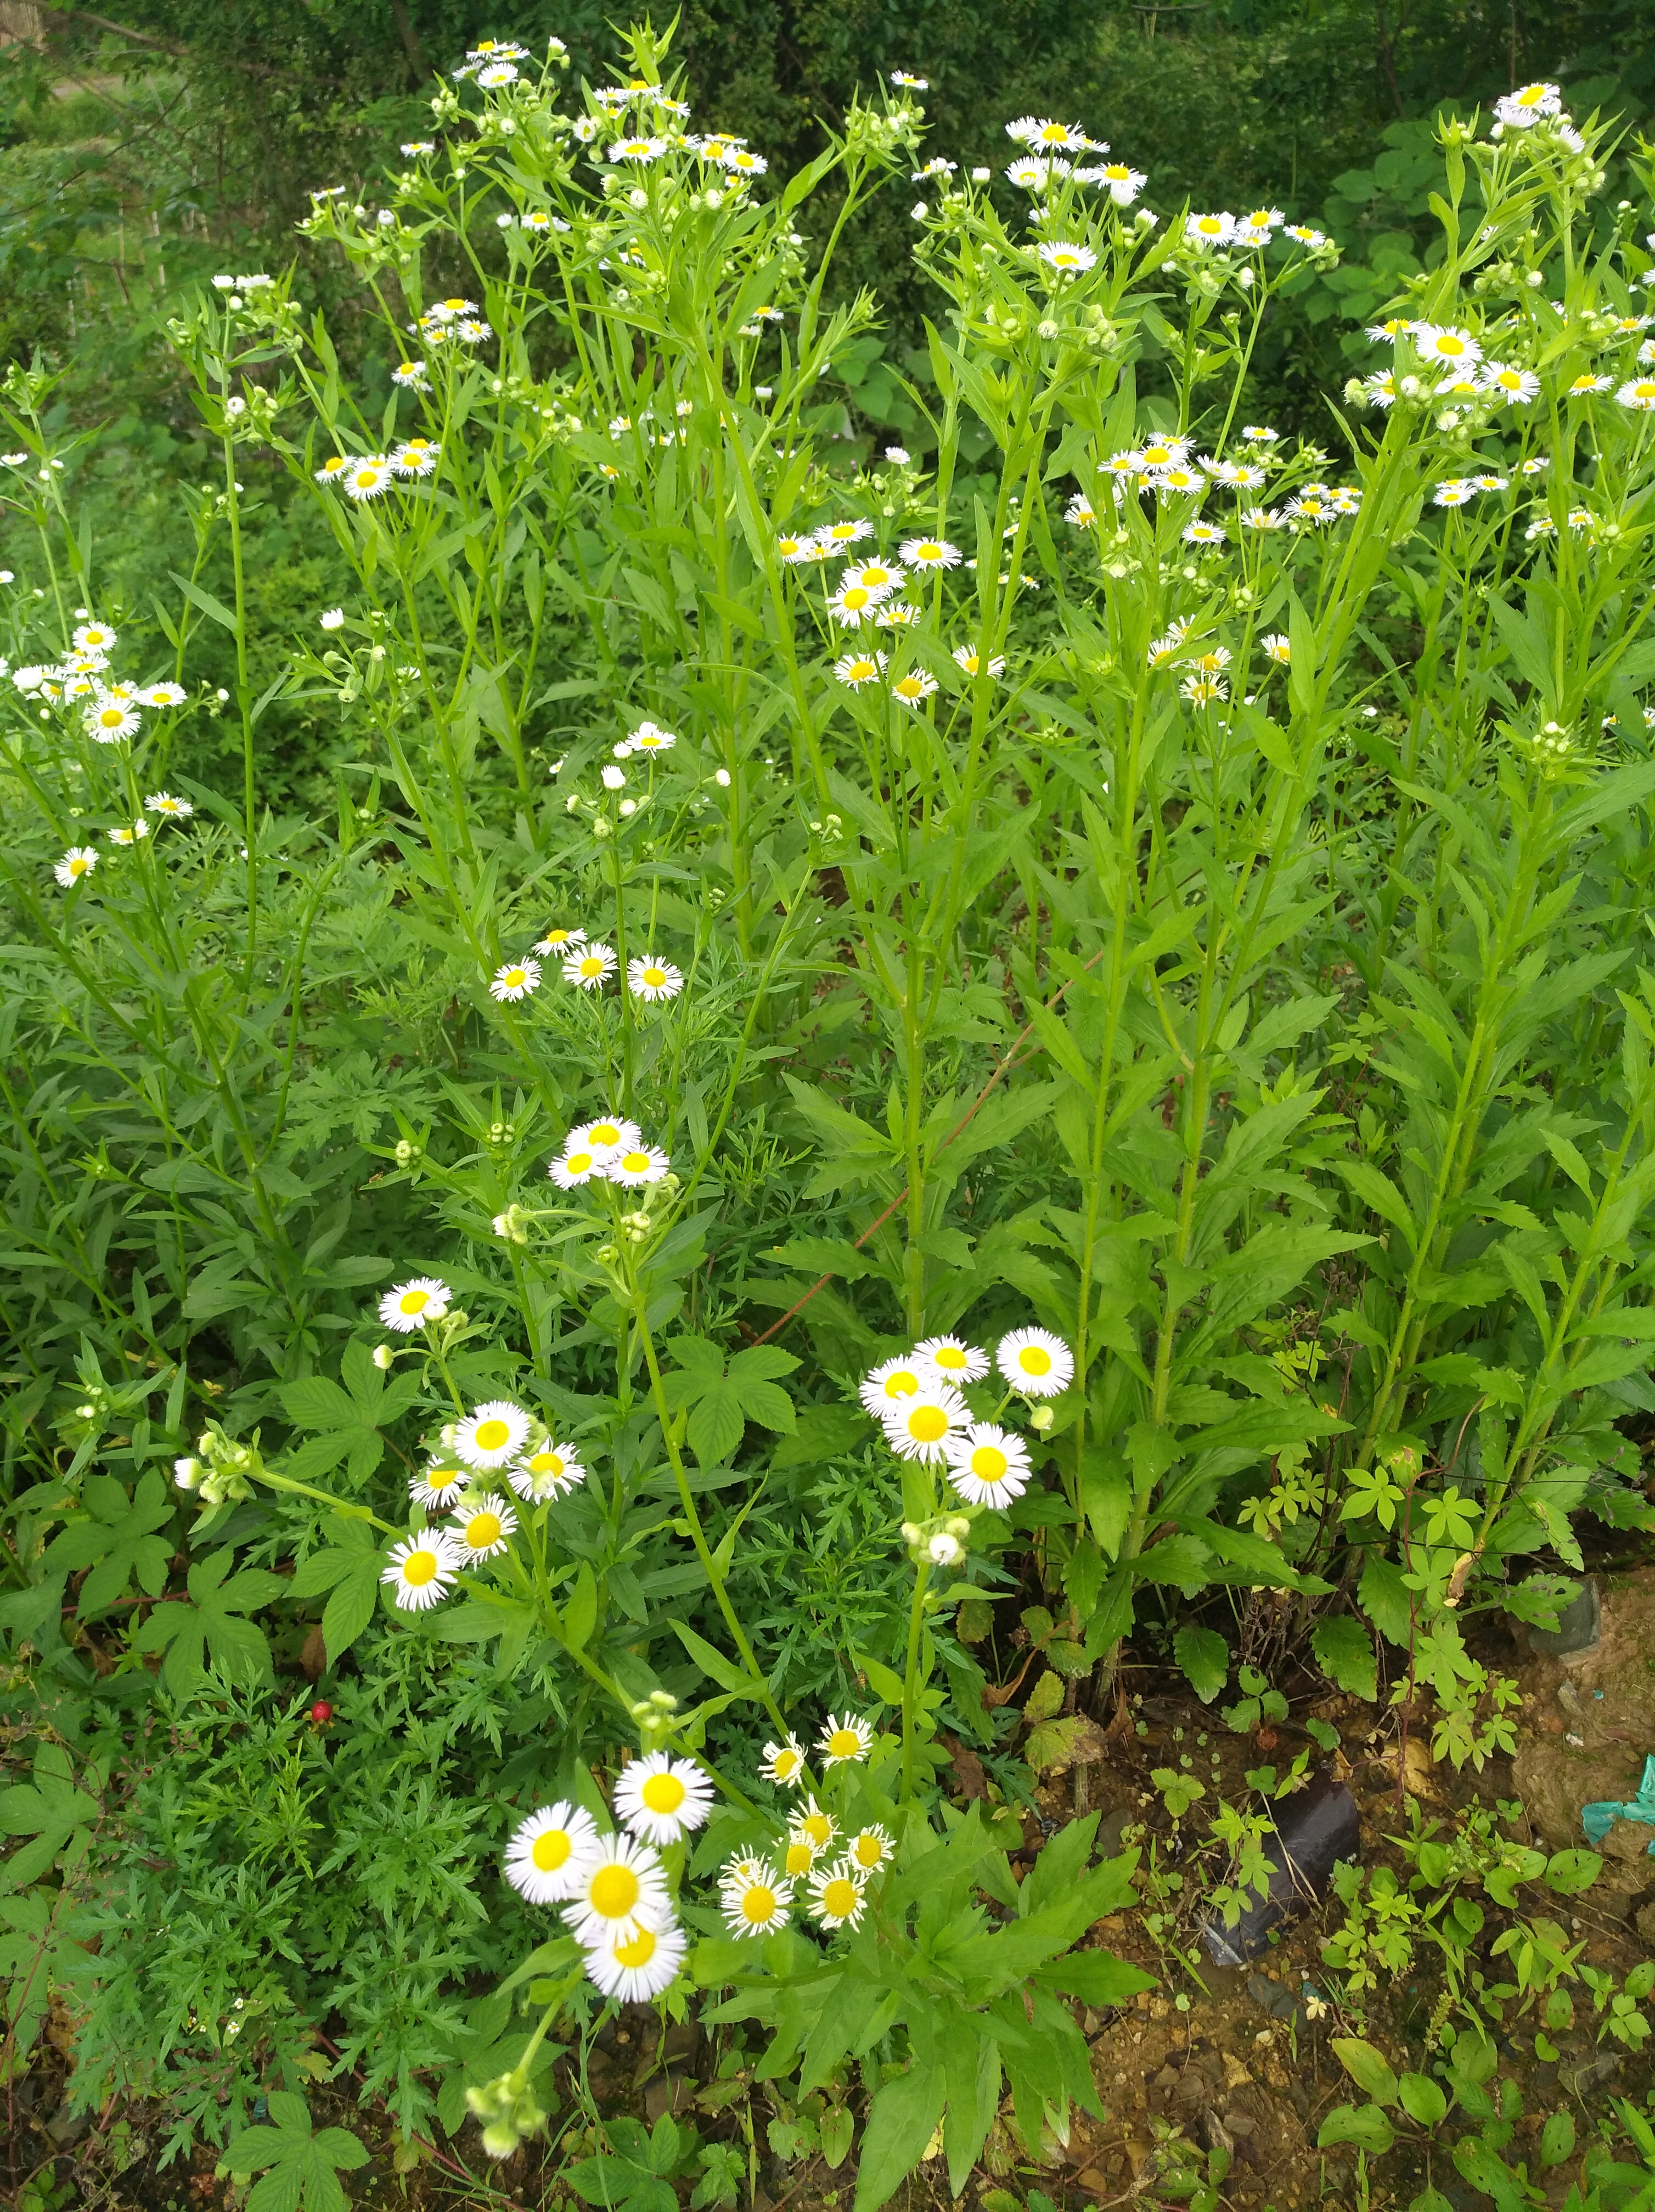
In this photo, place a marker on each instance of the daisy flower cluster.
(111, 710)
(919, 1400)
(78, 861)
(816, 1863)
(587, 965)
(368, 478)
(613, 1889)
(500, 1440)
(611, 1149)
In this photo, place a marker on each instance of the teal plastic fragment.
(1597, 1820)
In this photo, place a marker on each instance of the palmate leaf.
(300, 2165)
(115, 1537)
(213, 1623)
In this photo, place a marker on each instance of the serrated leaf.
(1204, 1656)
(1344, 1651)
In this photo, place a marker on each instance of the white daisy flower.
(588, 966)
(809, 1823)
(415, 457)
(784, 1763)
(494, 74)
(914, 689)
(367, 479)
(637, 1165)
(852, 603)
(1259, 433)
(1454, 492)
(1516, 386)
(410, 1305)
(1311, 508)
(1123, 184)
(908, 83)
(1067, 258)
(885, 1388)
(552, 1852)
(1049, 136)
(856, 669)
(609, 1134)
(1379, 390)
(481, 1529)
(1277, 647)
(110, 721)
(649, 738)
(548, 1473)
(1029, 174)
(1160, 453)
(928, 553)
(1302, 233)
(576, 1165)
(1035, 1362)
(94, 637)
(514, 981)
(846, 1740)
(898, 617)
(970, 661)
(662, 1798)
(1442, 342)
(1204, 533)
(637, 149)
(1202, 690)
(1523, 108)
(332, 470)
(1255, 228)
(1534, 466)
(794, 549)
(1261, 518)
(1639, 395)
(438, 1486)
(79, 861)
(877, 576)
(845, 533)
(953, 1360)
(124, 836)
(411, 375)
(989, 1465)
(420, 1569)
(837, 1895)
(740, 163)
(557, 943)
(1081, 512)
(653, 980)
(755, 1899)
(870, 1848)
(174, 810)
(798, 1858)
(162, 695)
(491, 1435)
(919, 1427)
(1209, 230)
(633, 1969)
(621, 1890)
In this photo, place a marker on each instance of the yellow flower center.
(817, 1829)
(368, 477)
(927, 1424)
(604, 1132)
(111, 717)
(638, 1951)
(948, 1355)
(613, 1892)
(579, 1163)
(799, 1858)
(78, 868)
(481, 1530)
(839, 1897)
(591, 966)
(663, 1793)
(988, 1463)
(874, 575)
(857, 598)
(844, 1743)
(654, 977)
(867, 1851)
(552, 1848)
(1035, 1360)
(759, 1904)
(1450, 346)
(413, 1302)
(546, 1463)
(788, 1763)
(419, 1568)
(491, 1435)
(514, 978)
(635, 1162)
(969, 664)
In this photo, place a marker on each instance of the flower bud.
(1041, 1419)
(383, 1355)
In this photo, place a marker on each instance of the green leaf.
(350, 1609)
(716, 1424)
(834, 2133)
(1095, 1978)
(1204, 1656)
(1557, 2138)
(1423, 2100)
(1344, 1651)
(580, 1610)
(1365, 2125)
(1366, 2068)
(901, 2121)
(1569, 1872)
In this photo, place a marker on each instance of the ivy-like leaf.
(303, 2162)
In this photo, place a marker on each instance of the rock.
(1579, 1625)
(1628, 1840)
(1601, 1696)
(1645, 1922)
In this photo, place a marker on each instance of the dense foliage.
(1042, 1031)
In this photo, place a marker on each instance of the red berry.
(321, 1713)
